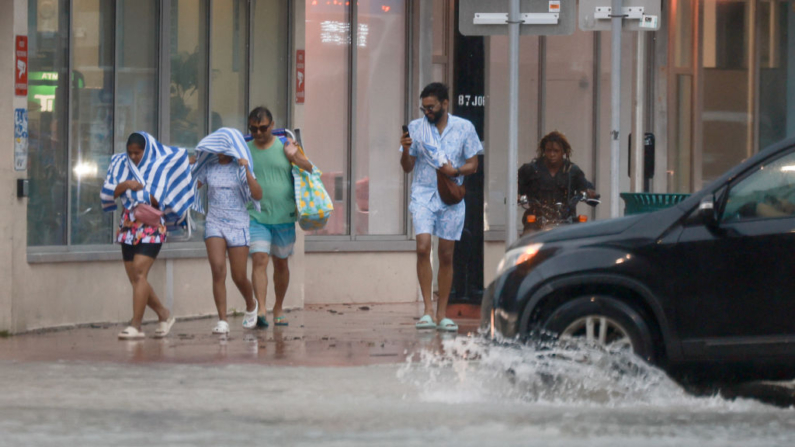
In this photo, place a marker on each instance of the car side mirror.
(706, 212)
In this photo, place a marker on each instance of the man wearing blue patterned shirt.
(450, 145)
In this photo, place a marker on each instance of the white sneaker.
(222, 327)
(250, 318)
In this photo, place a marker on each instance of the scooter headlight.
(518, 256)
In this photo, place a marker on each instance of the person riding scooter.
(552, 179)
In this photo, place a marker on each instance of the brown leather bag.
(450, 192)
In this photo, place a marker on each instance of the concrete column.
(13, 211)
(295, 294)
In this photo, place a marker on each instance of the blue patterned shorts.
(446, 222)
(234, 236)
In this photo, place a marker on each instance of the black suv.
(709, 281)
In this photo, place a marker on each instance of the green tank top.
(274, 174)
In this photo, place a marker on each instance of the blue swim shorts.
(276, 240)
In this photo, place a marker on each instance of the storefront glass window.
(188, 46)
(679, 175)
(91, 123)
(188, 121)
(777, 73)
(379, 206)
(270, 64)
(680, 172)
(441, 32)
(229, 65)
(328, 41)
(136, 75)
(78, 120)
(683, 33)
(48, 34)
(728, 110)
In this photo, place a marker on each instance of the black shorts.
(128, 252)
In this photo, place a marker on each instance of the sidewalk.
(324, 335)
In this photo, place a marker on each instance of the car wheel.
(603, 320)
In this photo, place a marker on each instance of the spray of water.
(473, 369)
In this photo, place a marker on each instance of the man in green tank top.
(273, 228)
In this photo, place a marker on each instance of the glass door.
(729, 83)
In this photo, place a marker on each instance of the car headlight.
(518, 256)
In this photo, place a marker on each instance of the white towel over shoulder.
(430, 145)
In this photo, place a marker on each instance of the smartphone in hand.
(405, 129)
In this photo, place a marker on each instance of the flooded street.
(416, 389)
(506, 397)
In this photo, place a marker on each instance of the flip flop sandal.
(426, 322)
(447, 325)
(262, 321)
(280, 321)
(131, 333)
(164, 327)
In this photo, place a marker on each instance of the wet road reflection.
(352, 378)
(339, 335)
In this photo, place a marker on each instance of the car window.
(769, 192)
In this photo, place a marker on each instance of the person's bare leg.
(238, 262)
(137, 271)
(425, 271)
(216, 254)
(156, 305)
(259, 279)
(281, 280)
(445, 276)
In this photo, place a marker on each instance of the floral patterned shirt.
(459, 142)
(132, 232)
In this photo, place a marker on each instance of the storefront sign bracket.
(627, 13)
(500, 18)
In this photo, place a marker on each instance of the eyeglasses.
(261, 129)
(431, 109)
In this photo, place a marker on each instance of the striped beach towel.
(226, 141)
(164, 171)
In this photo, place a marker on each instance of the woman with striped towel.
(153, 182)
(223, 163)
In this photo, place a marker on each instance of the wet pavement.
(333, 335)
(352, 376)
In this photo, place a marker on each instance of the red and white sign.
(554, 6)
(21, 66)
(300, 76)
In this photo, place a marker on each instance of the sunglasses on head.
(262, 129)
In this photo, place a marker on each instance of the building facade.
(716, 86)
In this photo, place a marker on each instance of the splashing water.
(548, 373)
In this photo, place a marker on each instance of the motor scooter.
(542, 217)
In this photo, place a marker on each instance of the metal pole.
(514, 20)
(638, 178)
(615, 102)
